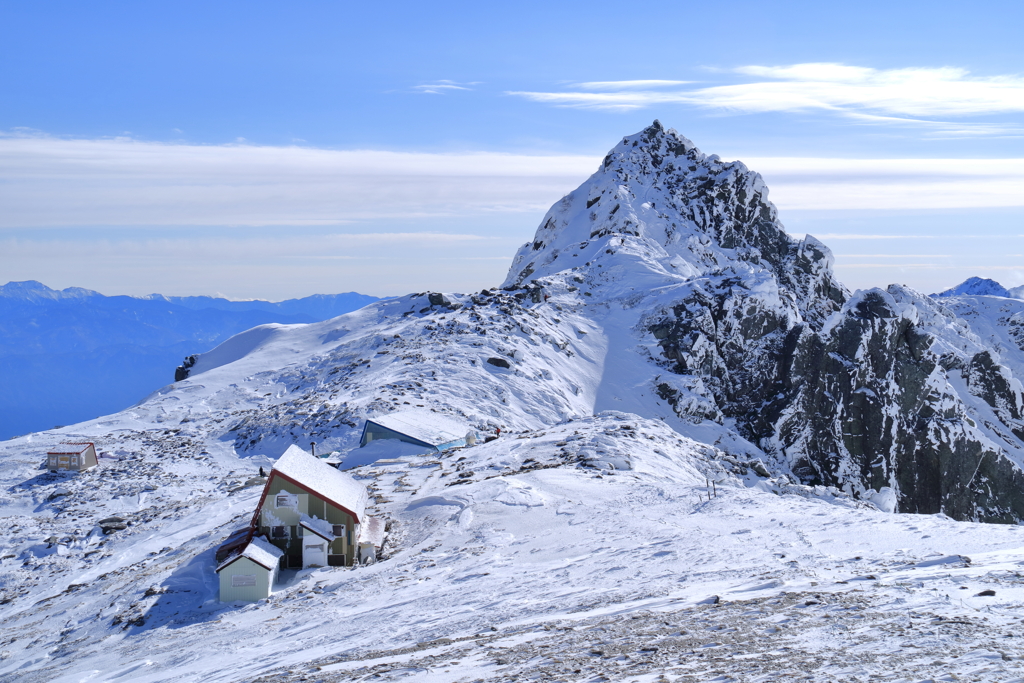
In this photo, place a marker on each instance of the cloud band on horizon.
(50, 182)
(907, 96)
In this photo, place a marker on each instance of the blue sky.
(276, 150)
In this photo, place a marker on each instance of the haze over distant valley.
(74, 354)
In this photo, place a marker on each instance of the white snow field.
(601, 537)
(508, 562)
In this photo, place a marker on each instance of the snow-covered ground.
(509, 561)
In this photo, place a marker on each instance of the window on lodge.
(279, 532)
(338, 530)
(284, 500)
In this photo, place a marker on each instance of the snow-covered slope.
(703, 434)
(999, 324)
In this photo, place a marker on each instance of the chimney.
(312, 448)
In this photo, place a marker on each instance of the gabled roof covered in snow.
(259, 551)
(424, 425)
(320, 527)
(313, 474)
(71, 448)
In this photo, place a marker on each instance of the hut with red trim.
(72, 457)
(311, 511)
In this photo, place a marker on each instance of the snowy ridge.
(977, 286)
(53, 343)
(666, 212)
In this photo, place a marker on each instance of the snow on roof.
(70, 448)
(372, 531)
(318, 477)
(259, 551)
(320, 527)
(424, 425)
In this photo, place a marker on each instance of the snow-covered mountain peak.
(979, 286)
(976, 286)
(33, 290)
(661, 209)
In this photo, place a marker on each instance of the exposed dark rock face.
(993, 383)
(181, 372)
(860, 404)
(842, 391)
(437, 299)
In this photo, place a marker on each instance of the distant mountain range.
(74, 354)
(977, 286)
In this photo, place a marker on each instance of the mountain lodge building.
(311, 511)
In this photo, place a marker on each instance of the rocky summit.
(851, 391)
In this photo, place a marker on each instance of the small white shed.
(250, 574)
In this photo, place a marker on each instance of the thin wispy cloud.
(240, 264)
(441, 87)
(628, 85)
(852, 236)
(47, 181)
(910, 96)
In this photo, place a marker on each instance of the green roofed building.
(421, 427)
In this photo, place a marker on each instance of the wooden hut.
(72, 457)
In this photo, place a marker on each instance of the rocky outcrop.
(687, 215)
(994, 384)
(852, 392)
(182, 371)
(861, 404)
